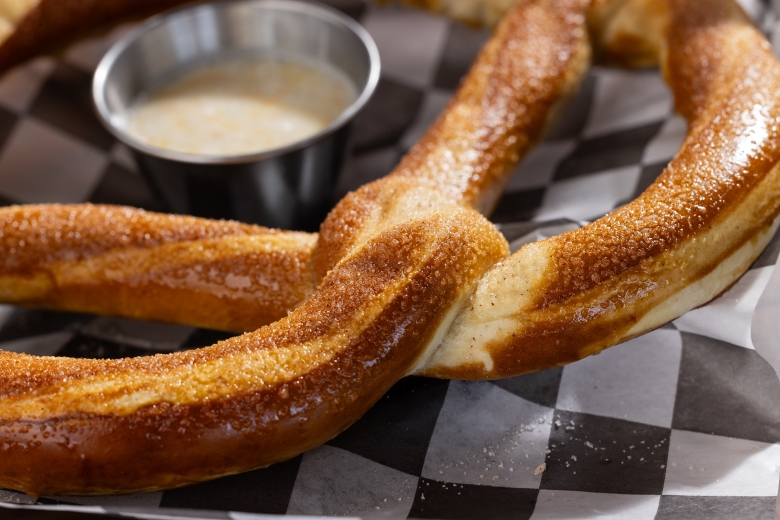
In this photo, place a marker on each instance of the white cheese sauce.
(241, 106)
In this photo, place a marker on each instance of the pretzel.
(410, 277)
(31, 27)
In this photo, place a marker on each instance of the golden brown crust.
(500, 111)
(38, 26)
(714, 204)
(68, 424)
(397, 260)
(129, 262)
(503, 106)
(713, 92)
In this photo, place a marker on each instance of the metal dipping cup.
(289, 187)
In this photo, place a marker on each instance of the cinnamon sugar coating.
(44, 234)
(409, 277)
(251, 400)
(718, 163)
(533, 60)
(129, 262)
(715, 205)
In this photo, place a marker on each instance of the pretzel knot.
(406, 276)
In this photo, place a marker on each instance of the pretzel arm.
(504, 105)
(680, 244)
(31, 27)
(127, 262)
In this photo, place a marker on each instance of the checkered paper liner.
(682, 422)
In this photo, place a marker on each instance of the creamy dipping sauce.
(241, 106)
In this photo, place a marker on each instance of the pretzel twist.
(409, 278)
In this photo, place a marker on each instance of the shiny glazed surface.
(595, 285)
(124, 261)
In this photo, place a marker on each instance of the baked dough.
(410, 277)
(31, 27)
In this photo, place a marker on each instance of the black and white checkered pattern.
(683, 422)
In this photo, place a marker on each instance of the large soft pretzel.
(408, 277)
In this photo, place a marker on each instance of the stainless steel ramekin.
(288, 187)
